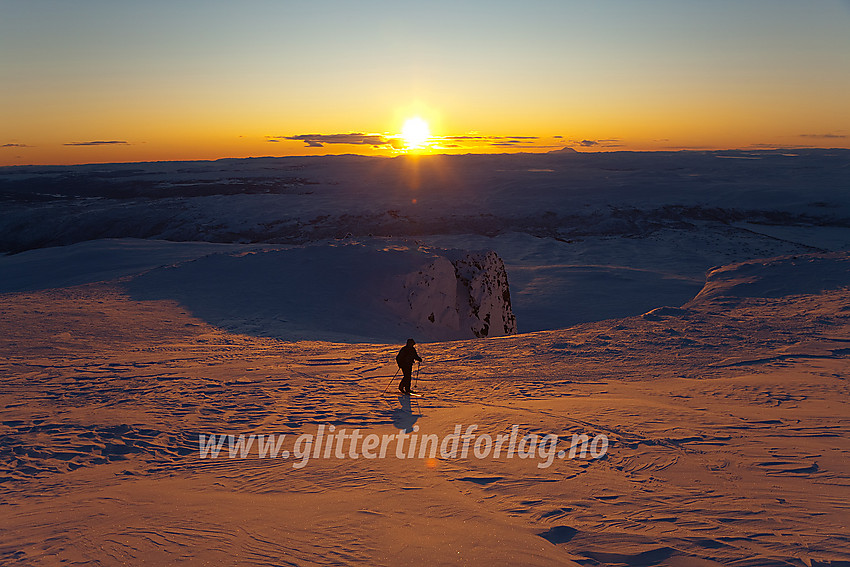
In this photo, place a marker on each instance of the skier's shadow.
(403, 417)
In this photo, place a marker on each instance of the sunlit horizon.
(99, 82)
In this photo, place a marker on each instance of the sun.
(415, 133)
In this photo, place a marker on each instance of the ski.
(399, 394)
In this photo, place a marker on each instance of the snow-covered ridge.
(353, 291)
(796, 274)
(360, 292)
(584, 237)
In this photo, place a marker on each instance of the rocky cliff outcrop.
(458, 294)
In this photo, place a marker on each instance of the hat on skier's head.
(410, 342)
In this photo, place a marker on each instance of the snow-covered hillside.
(271, 310)
(584, 237)
(341, 292)
(297, 200)
(727, 423)
(374, 291)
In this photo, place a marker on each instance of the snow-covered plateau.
(692, 308)
(584, 236)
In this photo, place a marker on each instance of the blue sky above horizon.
(94, 80)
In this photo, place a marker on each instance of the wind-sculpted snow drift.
(349, 292)
(797, 274)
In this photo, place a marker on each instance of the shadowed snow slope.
(348, 292)
(96, 260)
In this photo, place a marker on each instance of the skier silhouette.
(404, 359)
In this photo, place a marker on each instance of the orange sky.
(101, 81)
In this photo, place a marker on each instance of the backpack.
(404, 357)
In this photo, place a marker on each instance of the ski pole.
(417, 374)
(391, 381)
